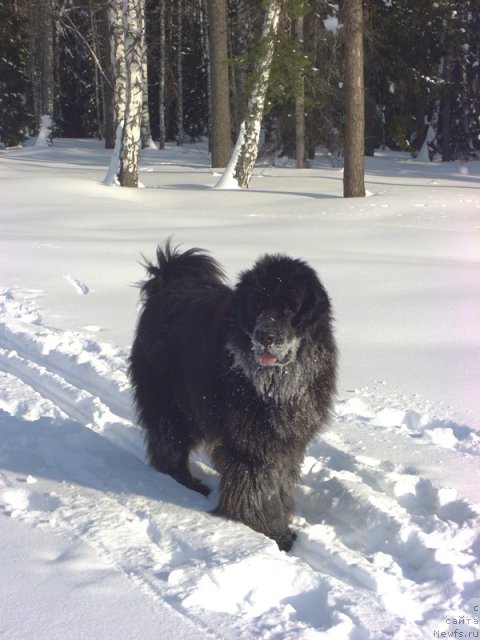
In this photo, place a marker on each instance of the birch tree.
(354, 169)
(134, 23)
(240, 167)
(127, 29)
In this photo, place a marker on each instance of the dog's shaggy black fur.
(250, 372)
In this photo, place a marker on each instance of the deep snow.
(94, 543)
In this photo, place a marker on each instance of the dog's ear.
(240, 307)
(315, 304)
(246, 306)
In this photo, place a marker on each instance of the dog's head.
(277, 302)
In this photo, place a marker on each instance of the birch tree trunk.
(354, 170)
(134, 17)
(242, 163)
(220, 128)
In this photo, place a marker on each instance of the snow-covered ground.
(96, 544)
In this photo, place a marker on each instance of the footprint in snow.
(80, 287)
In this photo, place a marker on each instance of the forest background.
(421, 66)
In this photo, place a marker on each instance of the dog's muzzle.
(270, 347)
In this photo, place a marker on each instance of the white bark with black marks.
(250, 129)
(134, 24)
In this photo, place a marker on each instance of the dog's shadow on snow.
(70, 453)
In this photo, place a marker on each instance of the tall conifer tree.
(354, 144)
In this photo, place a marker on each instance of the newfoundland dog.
(248, 371)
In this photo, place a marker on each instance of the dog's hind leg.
(168, 435)
(168, 448)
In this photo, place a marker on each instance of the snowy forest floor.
(96, 544)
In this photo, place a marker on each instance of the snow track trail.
(385, 549)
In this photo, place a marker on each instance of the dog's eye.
(255, 306)
(291, 307)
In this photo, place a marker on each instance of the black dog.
(250, 372)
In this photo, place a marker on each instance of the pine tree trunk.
(220, 128)
(117, 40)
(42, 76)
(108, 81)
(98, 85)
(354, 171)
(161, 77)
(47, 63)
(447, 101)
(146, 135)
(180, 131)
(34, 18)
(251, 126)
(238, 45)
(134, 30)
(206, 55)
(300, 102)
(118, 70)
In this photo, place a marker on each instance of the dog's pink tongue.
(267, 359)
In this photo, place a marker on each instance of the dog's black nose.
(264, 337)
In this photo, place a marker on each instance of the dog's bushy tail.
(172, 264)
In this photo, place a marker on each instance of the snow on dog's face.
(274, 340)
(277, 302)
